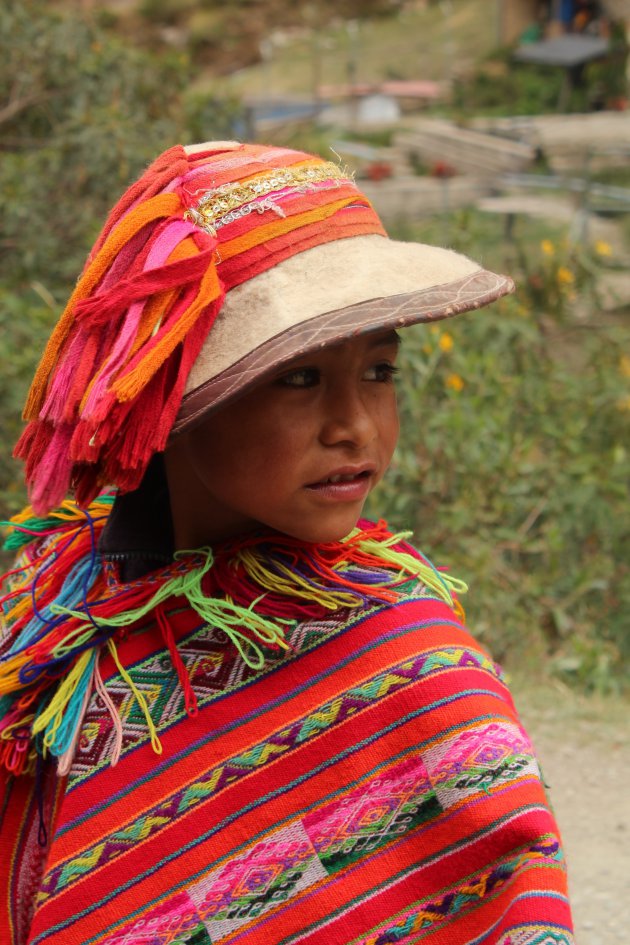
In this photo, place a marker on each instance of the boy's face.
(298, 454)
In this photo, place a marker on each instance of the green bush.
(25, 322)
(503, 86)
(513, 461)
(88, 114)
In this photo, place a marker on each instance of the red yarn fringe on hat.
(99, 407)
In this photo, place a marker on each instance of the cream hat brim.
(324, 295)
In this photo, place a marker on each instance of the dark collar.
(139, 532)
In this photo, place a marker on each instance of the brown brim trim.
(428, 305)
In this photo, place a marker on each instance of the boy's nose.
(348, 418)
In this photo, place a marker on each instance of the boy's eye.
(383, 372)
(301, 377)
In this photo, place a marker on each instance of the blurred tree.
(81, 113)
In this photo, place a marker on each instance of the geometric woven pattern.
(372, 785)
(430, 914)
(482, 756)
(233, 769)
(385, 808)
(250, 885)
(536, 935)
(212, 664)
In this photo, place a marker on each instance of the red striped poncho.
(371, 784)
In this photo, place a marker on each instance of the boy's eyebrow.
(376, 339)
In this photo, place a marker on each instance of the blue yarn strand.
(90, 573)
(73, 592)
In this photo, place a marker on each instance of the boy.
(234, 711)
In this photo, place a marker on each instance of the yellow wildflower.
(565, 276)
(434, 329)
(454, 382)
(446, 342)
(426, 347)
(624, 365)
(602, 248)
(624, 403)
(547, 247)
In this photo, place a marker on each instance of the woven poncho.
(362, 777)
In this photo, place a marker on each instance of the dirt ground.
(584, 748)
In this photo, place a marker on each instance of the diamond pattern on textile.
(247, 887)
(213, 666)
(175, 923)
(282, 742)
(397, 801)
(536, 935)
(479, 759)
(427, 914)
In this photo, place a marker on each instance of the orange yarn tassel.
(134, 379)
(158, 207)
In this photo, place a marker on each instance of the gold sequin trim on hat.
(228, 202)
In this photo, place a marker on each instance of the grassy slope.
(417, 44)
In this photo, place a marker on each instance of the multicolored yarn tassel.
(64, 604)
(111, 380)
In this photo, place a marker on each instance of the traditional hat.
(221, 263)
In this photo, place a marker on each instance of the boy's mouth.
(349, 477)
(345, 474)
(347, 484)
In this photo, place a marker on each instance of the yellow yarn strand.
(10, 673)
(53, 713)
(156, 744)
(294, 585)
(66, 512)
(442, 584)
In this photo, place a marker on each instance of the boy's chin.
(323, 533)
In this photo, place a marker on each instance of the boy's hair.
(200, 222)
